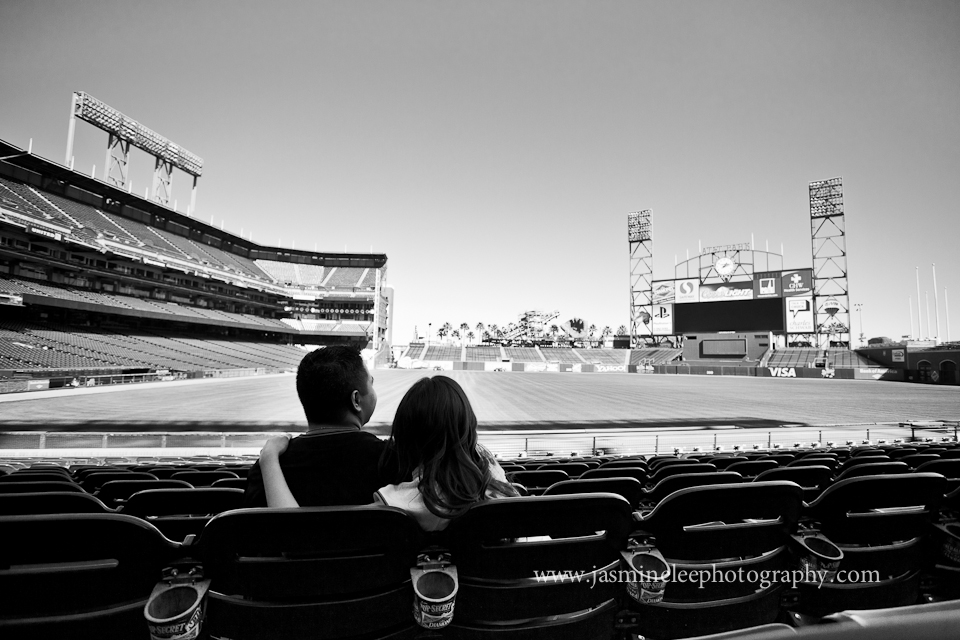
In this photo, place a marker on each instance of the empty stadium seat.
(323, 572)
(673, 483)
(637, 473)
(918, 459)
(572, 469)
(202, 478)
(115, 492)
(40, 486)
(727, 528)
(722, 462)
(16, 504)
(181, 512)
(830, 462)
(629, 489)
(78, 575)
(949, 469)
(35, 476)
(665, 471)
(230, 483)
(91, 482)
(752, 468)
(495, 564)
(813, 479)
(873, 469)
(536, 481)
(878, 522)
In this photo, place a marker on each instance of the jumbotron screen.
(736, 315)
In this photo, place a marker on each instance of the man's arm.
(274, 484)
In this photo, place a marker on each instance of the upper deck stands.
(344, 277)
(523, 354)
(442, 353)
(560, 354)
(603, 356)
(483, 354)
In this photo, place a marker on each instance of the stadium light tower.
(125, 132)
(640, 238)
(831, 292)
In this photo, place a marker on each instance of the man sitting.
(334, 462)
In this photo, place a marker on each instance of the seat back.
(724, 521)
(812, 478)
(537, 479)
(722, 462)
(677, 469)
(35, 476)
(572, 469)
(656, 462)
(631, 464)
(918, 459)
(42, 486)
(780, 458)
(324, 572)
(878, 509)
(91, 482)
(829, 462)
(230, 483)
(18, 504)
(202, 478)
(629, 489)
(680, 481)
(752, 468)
(115, 492)
(181, 512)
(499, 550)
(874, 469)
(78, 575)
(637, 473)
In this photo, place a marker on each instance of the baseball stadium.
(146, 356)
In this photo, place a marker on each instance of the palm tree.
(464, 327)
(455, 334)
(470, 336)
(622, 331)
(480, 329)
(486, 336)
(606, 332)
(444, 331)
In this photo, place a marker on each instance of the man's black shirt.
(326, 467)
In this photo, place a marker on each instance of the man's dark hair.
(325, 381)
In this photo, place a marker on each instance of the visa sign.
(783, 372)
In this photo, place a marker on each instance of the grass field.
(510, 401)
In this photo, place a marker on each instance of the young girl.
(437, 467)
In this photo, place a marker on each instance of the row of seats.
(529, 567)
(57, 346)
(813, 470)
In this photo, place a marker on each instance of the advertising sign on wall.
(687, 290)
(725, 291)
(898, 355)
(799, 314)
(663, 292)
(798, 282)
(662, 320)
(767, 285)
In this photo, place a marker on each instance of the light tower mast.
(640, 239)
(831, 295)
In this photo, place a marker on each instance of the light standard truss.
(640, 238)
(831, 292)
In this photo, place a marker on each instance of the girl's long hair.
(435, 430)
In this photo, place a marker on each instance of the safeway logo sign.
(783, 372)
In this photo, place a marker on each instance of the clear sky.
(493, 149)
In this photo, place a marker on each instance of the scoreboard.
(777, 301)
